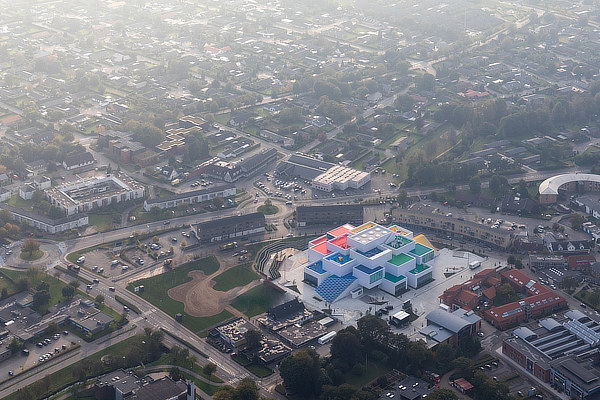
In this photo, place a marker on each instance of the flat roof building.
(560, 350)
(192, 197)
(426, 217)
(324, 176)
(96, 192)
(230, 227)
(330, 215)
(450, 327)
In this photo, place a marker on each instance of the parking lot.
(42, 352)
(117, 262)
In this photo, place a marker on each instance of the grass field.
(36, 255)
(268, 210)
(240, 275)
(102, 222)
(257, 300)
(156, 288)
(373, 370)
(34, 278)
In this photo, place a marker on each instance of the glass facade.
(376, 276)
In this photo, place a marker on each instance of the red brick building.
(580, 262)
(541, 301)
(467, 295)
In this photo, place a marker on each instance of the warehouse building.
(323, 175)
(560, 350)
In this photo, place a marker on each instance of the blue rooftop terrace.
(339, 258)
(317, 267)
(370, 253)
(367, 270)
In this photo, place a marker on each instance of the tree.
(15, 345)
(373, 330)
(175, 374)
(209, 369)
(475, 185)
(594, 297)
(346, 347)
(301, 371)
(40, 298)
(505, 294)
(402, 197)
(68, 292)
(30, 246)
(99, 299)
(498, 184)
(576, 221)
(155, 239)
(245, 390)
(445, 353)
(253, 338)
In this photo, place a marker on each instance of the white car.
(81, 260)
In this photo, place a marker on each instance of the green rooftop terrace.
(400, 259)
(421, 250)
(418, 269)
(394, 278)
(399, 241)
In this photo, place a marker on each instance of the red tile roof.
(490, 293)
(464, 384)
(516, 277)
(580, 261)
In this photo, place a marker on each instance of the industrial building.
(230, 227)
(323, 175)
(429, 218)
(347, 259)
(330, 215)
(92, 193)
(560, 350)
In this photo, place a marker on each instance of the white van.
(81, 260)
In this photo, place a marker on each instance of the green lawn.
(268, 210)
(102, 222)
(17, 201)
(6, 283)
(156, 288)
(34, 278)
(36, 255)
(257, 300)
(240, 275)
(374, 370)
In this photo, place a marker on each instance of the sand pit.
(200, 299)
(198, 296)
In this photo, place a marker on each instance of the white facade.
(367, 256)
(92, 193)
(340, 178)
(196, 196)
